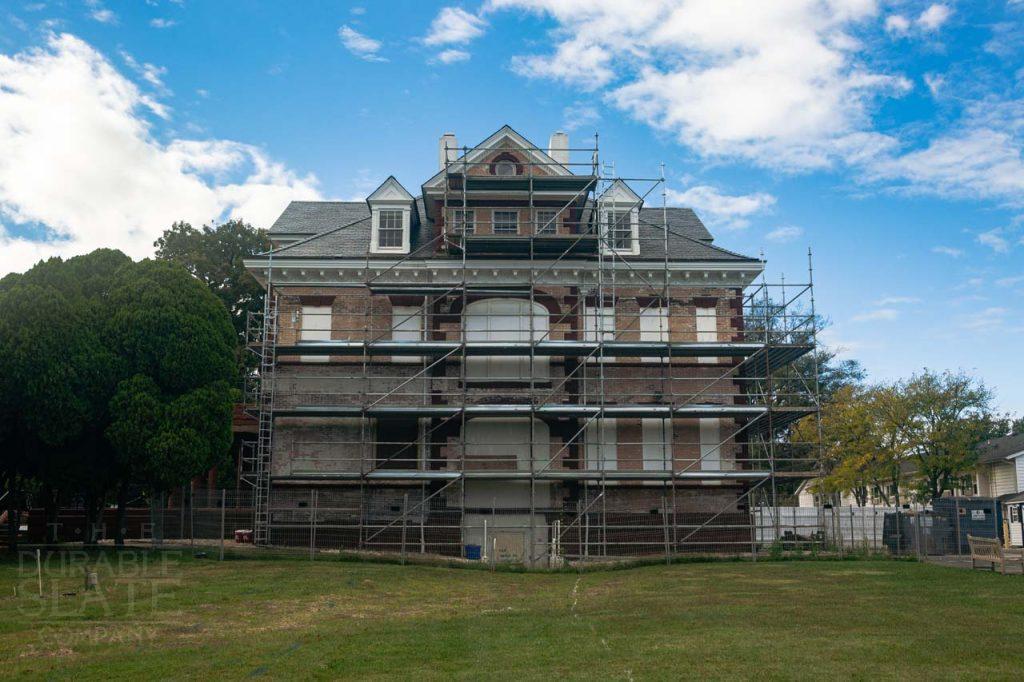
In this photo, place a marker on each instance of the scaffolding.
(610, 397)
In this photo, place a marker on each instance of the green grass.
(281, 618)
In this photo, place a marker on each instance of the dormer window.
(505, 168)
(390, 228)
(391, 216)
(619, 218)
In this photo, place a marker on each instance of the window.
(463, 221)
(506, 222)
(389, 230)
(710, 448)
(316, 326)
(707, 331)
(599, 325)
(654, 328)
(657, 435)
(398, 443)
(545, 222)
(620, 230)
(505, 168)
(406, 325)
(599, 445)
(505, 319)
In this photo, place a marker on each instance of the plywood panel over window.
(506, 444)
(710, 450)
(657, 449)
(601, 445)
(654, 327)
(505, 319)
(599, 325)
(316, 326)
(707, 331)
(406, 325)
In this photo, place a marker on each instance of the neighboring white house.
(1000, 468)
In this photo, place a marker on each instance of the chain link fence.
(442, 524)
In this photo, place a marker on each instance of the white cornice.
(356, 272)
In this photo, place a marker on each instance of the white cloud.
(934, 17)
(722, 210)
(988, 319)
(579, 115)
(994, 240)
(785, 233)
(104, 16)
(358, 11)
(781, 84)
(1009, 281)
(897, 24)
(928, 21)
(364, 47)
(454, 25)
(81, 160)
(935, 82)
(887, 301)
(948, 251)
(974, 161)
(160, 22)
(876, 315)
(452, 56)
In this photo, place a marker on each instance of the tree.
(53, 377)
(82, 343)
(175, 348)
(947, 416)
(214, 255)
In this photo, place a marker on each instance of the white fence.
(850, 527)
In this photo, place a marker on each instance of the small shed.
(1013, 513)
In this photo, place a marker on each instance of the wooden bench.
(992, 552)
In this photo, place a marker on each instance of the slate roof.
(315, 217)
(336, 239)
(998, 449)
(341, 229)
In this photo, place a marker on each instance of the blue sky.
(887, 136)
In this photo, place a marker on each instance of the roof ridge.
(315, 236)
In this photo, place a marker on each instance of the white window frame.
(600, 445)
(406, 325)
(707, 331)
(459, 223)
(313, 328)
(540, 223)
(494, 220)
(375, 246)
(657, 443)
(607, 240)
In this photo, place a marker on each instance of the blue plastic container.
(473, 552)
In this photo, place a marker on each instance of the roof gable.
(620, 193)
(390, 190)
(497, 139)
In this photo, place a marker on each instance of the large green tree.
(214, 255)
(174, 344)
(81, 342)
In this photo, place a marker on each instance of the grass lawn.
(279, 618)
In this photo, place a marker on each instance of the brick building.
(526, 355)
